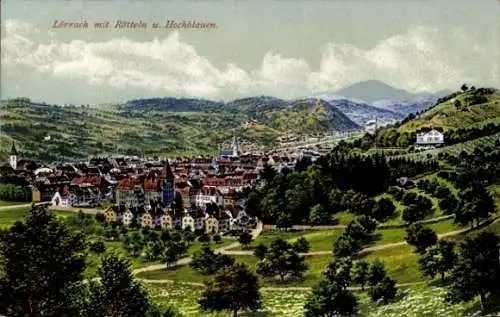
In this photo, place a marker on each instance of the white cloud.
(421, 59)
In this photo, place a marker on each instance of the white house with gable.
(429, 139)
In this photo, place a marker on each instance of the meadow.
(417, 301)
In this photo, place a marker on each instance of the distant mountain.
(405, 107)
(360, 112)
(374, 90)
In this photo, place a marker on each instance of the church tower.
(167, 180)
(13, 156)
(235, 146)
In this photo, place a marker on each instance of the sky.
(287, 49)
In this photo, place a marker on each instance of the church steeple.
(13, 150)
(13, 156)
(235, 146)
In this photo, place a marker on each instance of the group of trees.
(207, 262)
(331, 296)
(417, 206)
(479, 166)
(448, 202)
(281, 259)
(43, 264)
(474, 269)
(12, 192)
(334, 183)
(454, 136)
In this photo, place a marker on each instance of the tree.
(40, 255)
(438, 259)
(457, 104)
(134, 243)
(234, 288)
(245, 238)
(116, 293)
(339, 270)
(477, 270)
(368, 224)
(97, 246)
(319, 216)
(154, 250)
(385, 290)
(381, 286)
(420, 237)
(376, 273)
(301, 245)
(280, 259)
(360, 273)
(260, 251)
(331, 297)
(217, 238)
(384, 209)
(464, 87)
(188, 236)
(328, 298)
(174, 250)
(208, 262)
(475, 203)
(345, 246)
(204, 237)
(413, 213)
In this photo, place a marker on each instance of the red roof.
(127, 183)
(94, 180)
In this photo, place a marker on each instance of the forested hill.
(158, 126)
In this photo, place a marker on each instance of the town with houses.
(198, 193)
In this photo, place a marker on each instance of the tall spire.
(235, 145)
(13, 150)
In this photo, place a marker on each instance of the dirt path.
(91, 211)
(257, 231)
(15, 206)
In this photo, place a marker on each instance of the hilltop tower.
(13, 156)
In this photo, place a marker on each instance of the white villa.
(430, 139)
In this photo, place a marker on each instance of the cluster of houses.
(202, 193)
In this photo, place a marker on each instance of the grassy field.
(269, 235)
(316, 265)
(10, 215)
(11, 203)
(418, 301)
(320, 240)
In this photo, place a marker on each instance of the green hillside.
(461, 116)
(468, 114)
(77, 132)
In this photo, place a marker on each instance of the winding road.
(255, 233)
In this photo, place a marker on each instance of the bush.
(301, 245)
(385, 290)
(100, 217)
(204, 238)
(217, 238)
(12, 192)
(97, 246)
(245, 238)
